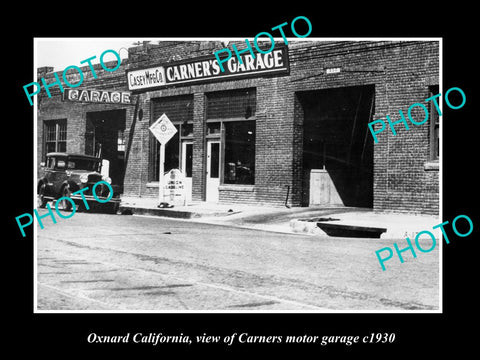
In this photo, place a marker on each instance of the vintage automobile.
(63, 174)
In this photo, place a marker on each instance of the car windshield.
(83, 164)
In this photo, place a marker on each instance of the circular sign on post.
(163, 129)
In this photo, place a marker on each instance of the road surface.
(118, 262)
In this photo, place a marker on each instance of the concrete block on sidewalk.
(306, 226)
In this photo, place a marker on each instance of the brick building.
(291, 123)
(89, 119)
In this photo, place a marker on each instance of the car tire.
(65, 204)
(41, 201)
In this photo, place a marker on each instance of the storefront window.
(187, 129)
(55, 132)
(434, 127)
(232, 104)
(173, 150)
(179, 109)
(188, 159)
(239, 157)
(172, 153)
(213, 128)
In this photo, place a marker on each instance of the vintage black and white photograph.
(283, 174)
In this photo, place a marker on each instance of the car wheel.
(41, 201)
(65, 204)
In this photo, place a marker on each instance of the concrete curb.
(170, 212)
(399, 226)
(155, 212)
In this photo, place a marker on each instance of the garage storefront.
(296, 134)
(287, 127)
(89, 119)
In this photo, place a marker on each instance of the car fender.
(40, 183)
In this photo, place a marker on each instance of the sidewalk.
(286, 220)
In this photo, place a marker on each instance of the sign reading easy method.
(208, 68)
(163, 129)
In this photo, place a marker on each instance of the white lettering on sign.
(208, 69)
(97, 96)
(173, 188)
(332, 70)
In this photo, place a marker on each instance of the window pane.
(187, 129)
(172, 153)
(231, 104)
(214, 160)
(155, 158)
(62, 146)
(213, 128)
(50, 131)
(240, 152)
(62, 128)
(49, 147)
(55, 136)
(83, 164)
(177, 108)
(188, 160)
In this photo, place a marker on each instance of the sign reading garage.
(97, 96)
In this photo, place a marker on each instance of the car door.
(57, 175)
(48, 172)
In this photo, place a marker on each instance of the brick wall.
(199, 147)
(400, 72)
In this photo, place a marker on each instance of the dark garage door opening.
(337, 148)
(104, 137)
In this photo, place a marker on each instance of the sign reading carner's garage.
(208, 69)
